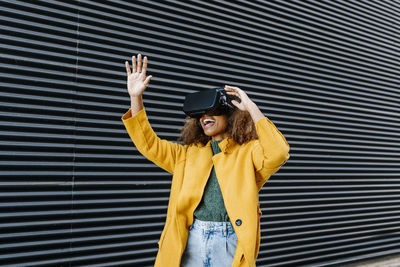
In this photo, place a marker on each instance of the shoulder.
(250, 144)
(193, 147)
(249, 147)
(245, 147)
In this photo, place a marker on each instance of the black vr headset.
(213, 102)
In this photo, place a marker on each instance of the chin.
(209, 134)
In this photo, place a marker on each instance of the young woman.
(213, 216)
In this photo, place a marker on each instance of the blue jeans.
(210, 244)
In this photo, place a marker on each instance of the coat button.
(238, 222)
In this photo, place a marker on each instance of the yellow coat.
(241, 171)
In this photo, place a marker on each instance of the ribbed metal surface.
(75, 191)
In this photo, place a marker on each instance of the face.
(214, 126)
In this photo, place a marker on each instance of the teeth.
(206, 121)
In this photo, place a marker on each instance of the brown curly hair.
(240, 128)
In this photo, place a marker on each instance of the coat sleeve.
(269, 152)
(162, 152)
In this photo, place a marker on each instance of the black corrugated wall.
(74, 190)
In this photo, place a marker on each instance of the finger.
(133, 64)
(144, 68)
(234, 88)
(128, 69)
(139, 59)
(147, 81)
(233, 93)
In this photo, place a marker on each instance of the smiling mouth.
(208, 123)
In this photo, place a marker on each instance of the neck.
(219, 137)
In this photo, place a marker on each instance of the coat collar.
(226, 145)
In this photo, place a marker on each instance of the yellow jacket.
(241, 171)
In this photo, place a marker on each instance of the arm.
(271, 150)
(161, 152)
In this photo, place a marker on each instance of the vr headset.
(213, 102)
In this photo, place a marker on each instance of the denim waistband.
(223, 227)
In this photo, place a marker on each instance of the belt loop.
(225, 229)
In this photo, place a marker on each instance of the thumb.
(147, 81)
(237, 104)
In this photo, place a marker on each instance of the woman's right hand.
(137, 81)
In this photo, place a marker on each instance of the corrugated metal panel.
(74, 189)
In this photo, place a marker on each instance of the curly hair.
(240, 128)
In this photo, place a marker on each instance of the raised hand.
(245, 102)
(137, 81)
(236, 91)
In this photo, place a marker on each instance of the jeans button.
(238, 222)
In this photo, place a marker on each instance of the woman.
(213, 216)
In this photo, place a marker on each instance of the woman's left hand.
(245, 100)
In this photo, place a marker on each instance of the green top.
(212, 207)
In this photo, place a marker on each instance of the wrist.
(134, 97)
(255, 112)
(251, 106)
(136, 104)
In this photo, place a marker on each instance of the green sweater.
(212, 207)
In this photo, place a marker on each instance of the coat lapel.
(197, 170)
